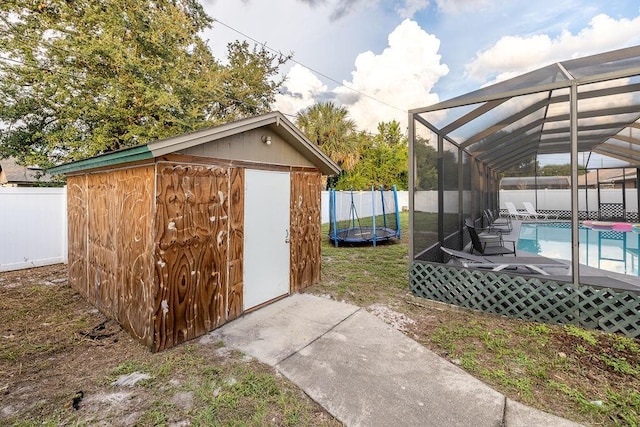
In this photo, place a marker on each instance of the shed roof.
(530, 114)
(274, 121)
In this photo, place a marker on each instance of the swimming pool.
(605, 249)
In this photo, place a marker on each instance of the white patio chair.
(514, 213)
(535, 214)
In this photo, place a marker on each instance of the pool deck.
(588, 275)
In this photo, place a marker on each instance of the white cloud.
(300, 90)
(461, 6)
(410, 7)
(513, 55)
(401, 77)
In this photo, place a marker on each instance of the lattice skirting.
(528, 298)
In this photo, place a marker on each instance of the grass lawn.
(53, 345)
(586, 376)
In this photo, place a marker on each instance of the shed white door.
(266, 236)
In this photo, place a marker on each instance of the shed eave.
(109, 159)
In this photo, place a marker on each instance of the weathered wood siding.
(160, 247)
(192, 251)
(236, 244)
(305, 229)
(110, 244)
(134, 251)
(77, 233)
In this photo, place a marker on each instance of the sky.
(380, 58)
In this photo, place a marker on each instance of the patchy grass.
(583, 375)
(53, 345)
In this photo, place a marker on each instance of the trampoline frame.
(356, 232)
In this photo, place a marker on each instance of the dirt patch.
(61, 359)
(54, 345)
(397, 320)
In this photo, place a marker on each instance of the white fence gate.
(33, 227)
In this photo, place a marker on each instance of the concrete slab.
(519, 415)
(278, 330)
(366, 373)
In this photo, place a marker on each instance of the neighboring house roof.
(11, 173)
(606, 176)
(531, 181)
(275, 121)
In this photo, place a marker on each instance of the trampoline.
(363, 218)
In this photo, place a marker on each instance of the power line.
(216, 90)
(264, 45)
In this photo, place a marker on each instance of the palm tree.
(329, 127)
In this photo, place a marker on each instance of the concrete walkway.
(364, 372)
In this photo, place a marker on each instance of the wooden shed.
(179, 236)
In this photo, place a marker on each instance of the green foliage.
(329, 127)
(560, 170)
(527, 166)
(249, 87)
(87, 76)
(383, 160)
(427, 165)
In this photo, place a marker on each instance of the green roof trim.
(128, 155)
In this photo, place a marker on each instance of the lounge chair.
(518, 264)
(528, 206)
(503, 225)
(488, 247)
(485, 234)
(514, 213)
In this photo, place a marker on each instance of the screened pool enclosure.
(587, 109)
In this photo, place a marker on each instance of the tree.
(87, 76)
(560, 170)
(249, 87)
(426, 165)
(329, 127)
(383, 161)
(527, 166)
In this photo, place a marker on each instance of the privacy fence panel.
(33, 227)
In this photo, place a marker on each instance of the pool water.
(605, 249)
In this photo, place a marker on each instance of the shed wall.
(110, 244)
(305, 226)
(160, 247)
(195, 251)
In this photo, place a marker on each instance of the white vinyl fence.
(561, 199)
(33, 227)
(33, 221)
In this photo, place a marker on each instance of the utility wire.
(264, 45)
(218, 91)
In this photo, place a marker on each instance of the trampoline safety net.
(363, 217)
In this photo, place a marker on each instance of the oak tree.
(82, 77)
